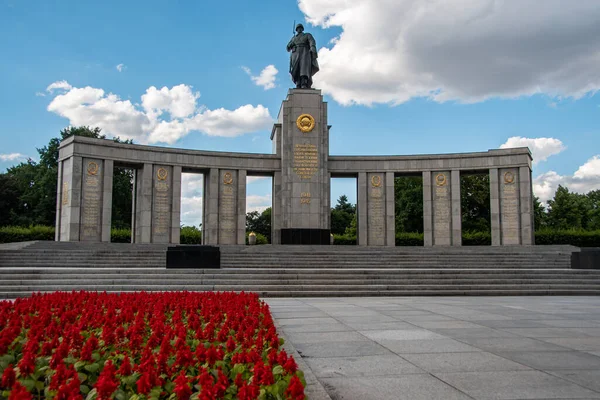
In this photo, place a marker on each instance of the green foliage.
(344, 240)
(190, 235)
(259, 223)
(573, 237)
(540, 216)
(122, 198)
(568, 210)
(409, 239)
(351, 230)
(260, 238)
(476, 238)
(9, 234)
(342, 215)
(120, 235)
(475, 202)
(409, 204)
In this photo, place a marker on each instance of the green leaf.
(92, 367)
(82, 377)
(92, 395)
(278, 370)
(84, 389)
(79, 364)
(29, 384)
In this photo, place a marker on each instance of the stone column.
(107, 193)
(510, 212)
(92, 203)
(276, 211)
(210, 226)
(442, 208)
(427, 210)
(526, 203)
(241, 207)
(134, 205)
(390, 210)
(143, 207)
(176, 206)
(361, 209)
(305, 193)
(59, 196)
(495, 207)
(162, 198)
(70, 209)
(456, 208)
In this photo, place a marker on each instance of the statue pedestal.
(301, 192)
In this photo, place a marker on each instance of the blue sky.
(455, 76)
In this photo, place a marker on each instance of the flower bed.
(172, 345)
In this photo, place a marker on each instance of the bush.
(409, 239)
(120, 235)
(260, 238)
(10, 234)
(476, 239)
(573, 237)
(190, 235)
(344, 240)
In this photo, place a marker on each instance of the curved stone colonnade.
(301, 168)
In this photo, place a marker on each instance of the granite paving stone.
(376, 365)
(554, 360)
(463, 362)
(587, 378)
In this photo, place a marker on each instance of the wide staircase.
(297, 270)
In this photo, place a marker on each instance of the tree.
(475, 203)
(342, 215)
(259, 222)
(540, 216)
(409, 204)
(594, 210)
(568, 210)
(9, 196)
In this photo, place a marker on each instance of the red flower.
(125, 369)
(19, 393)
(8, 377)
(27, 364)
(295, 390)
(144, 384)
(107, 382)
(182, 387)
(290, 365)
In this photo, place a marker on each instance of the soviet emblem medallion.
(162, 174)
(305, 123)
(227, 178)
(440, 179)
(92, 168)
(509, 177)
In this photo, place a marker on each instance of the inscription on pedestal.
(161, 213)
(442, 215)
(376, 212)
(306, 160)
(91, 205)
(227, 208)
(509, 208)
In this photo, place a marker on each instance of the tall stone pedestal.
(301, 201)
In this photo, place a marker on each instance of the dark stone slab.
(193, 256)
(305, 236)
(587, 258)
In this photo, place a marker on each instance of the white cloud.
(258, 203)
(191, 211)
(390, 51)
(12, 157)
(541, 148)
(252, 179)
(40, 94)
(165, 115)
(121, 67)
(62, 85)
(266, 78)
(585, 179)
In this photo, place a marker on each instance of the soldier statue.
(303, 60)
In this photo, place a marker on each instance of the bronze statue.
(303, 60)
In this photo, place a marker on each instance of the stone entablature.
(301, 168)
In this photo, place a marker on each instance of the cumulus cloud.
(541, 148)
(266, 78)
(258, 203)
(585, 179)
(464, 50)
(12, 157)
(191, 198)
(62, 85)
(121, 67)
(165, 115)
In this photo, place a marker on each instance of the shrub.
(344, 240)
(573, 237)
(190, 235)
(10, 234)
(120, 235)
(476, 239)
(409, 239)
(144, 345)
(260, 238)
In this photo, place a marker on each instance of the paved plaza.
(445, 347)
